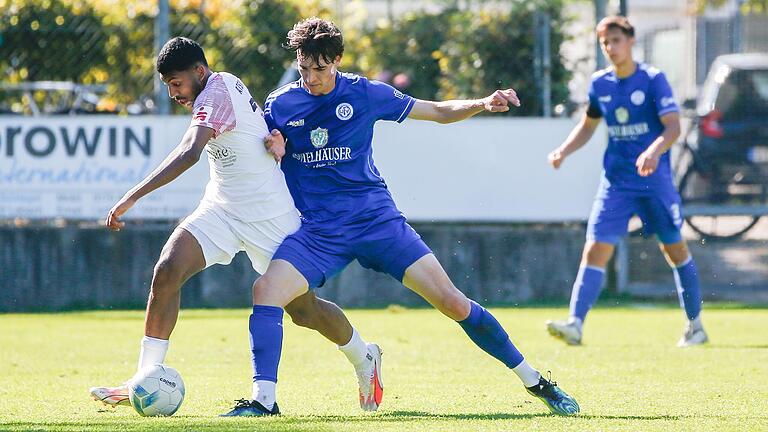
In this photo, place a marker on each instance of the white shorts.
(221, 236)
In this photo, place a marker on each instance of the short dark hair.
(180, 54)
(315, 37)
(615, 22)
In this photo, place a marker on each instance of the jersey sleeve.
(388, 103)
(662, 95)
(593, 107)
(213, 109)
(269, 114)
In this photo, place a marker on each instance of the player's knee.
(302, 317)
(261, 288)
(677, 254)
(166, 277)
(455, 305)
(597, 254)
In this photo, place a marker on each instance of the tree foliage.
(467, 53)
(48, 39)
(454, 53)
(747, 6)
(250, 43)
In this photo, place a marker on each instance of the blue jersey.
(329, 160)
(632, 108)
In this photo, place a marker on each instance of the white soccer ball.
(156, 390)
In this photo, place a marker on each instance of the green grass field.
(628, 375)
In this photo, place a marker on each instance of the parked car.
(732, 109)
(723, 166)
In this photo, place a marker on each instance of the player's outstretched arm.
(648, 161)
(186, 154)
(455, 110)
(579, 136)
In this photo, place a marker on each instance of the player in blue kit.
(643, 122)
(328, 119)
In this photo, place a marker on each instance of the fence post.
(162, 33)
(622, 266)
(546, 57)
(736, 25)
(599, 14)
(542, 62)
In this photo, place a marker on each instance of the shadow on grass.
(631, 417)
(397, 416)
(304, 422)
(181, 424)
(733, 346)
(281, 423)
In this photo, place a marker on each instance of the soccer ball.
(156, 390)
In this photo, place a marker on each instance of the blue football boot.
(556, 400)
(251, 408)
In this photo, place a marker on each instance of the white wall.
(487, 169)
(480, 169)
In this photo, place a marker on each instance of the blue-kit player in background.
(643, 123)
(328, 119)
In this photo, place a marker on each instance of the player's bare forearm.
(648, 161)
(183, 157)
(456, 110)
(447, 111)
(579, 136)
(668, 138)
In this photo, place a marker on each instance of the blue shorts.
(385, 243)
(659, 209)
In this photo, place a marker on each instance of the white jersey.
(245, 180)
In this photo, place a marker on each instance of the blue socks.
(586, 290)
(488, 334)
(266, 330)
(687, 281)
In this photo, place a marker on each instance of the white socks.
(696, 323)
(528, 375)
(577, 321)
(264, 393)
(153, 351)
(356, 350)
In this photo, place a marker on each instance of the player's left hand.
(275, 144)
(647, 163)
(500, 99)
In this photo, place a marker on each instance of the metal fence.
(114, 43)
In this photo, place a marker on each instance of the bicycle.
(723, 196)
(724, 192)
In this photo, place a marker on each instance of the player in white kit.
(246, 207)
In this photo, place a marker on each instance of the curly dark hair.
(316, 38)
(180, 54)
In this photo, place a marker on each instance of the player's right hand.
(500, 100)
(556, 158)
(275, 144)
(113, 221)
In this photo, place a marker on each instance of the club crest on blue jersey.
(637, 97)
(319, 137)
(622, 115)
(344, 111)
